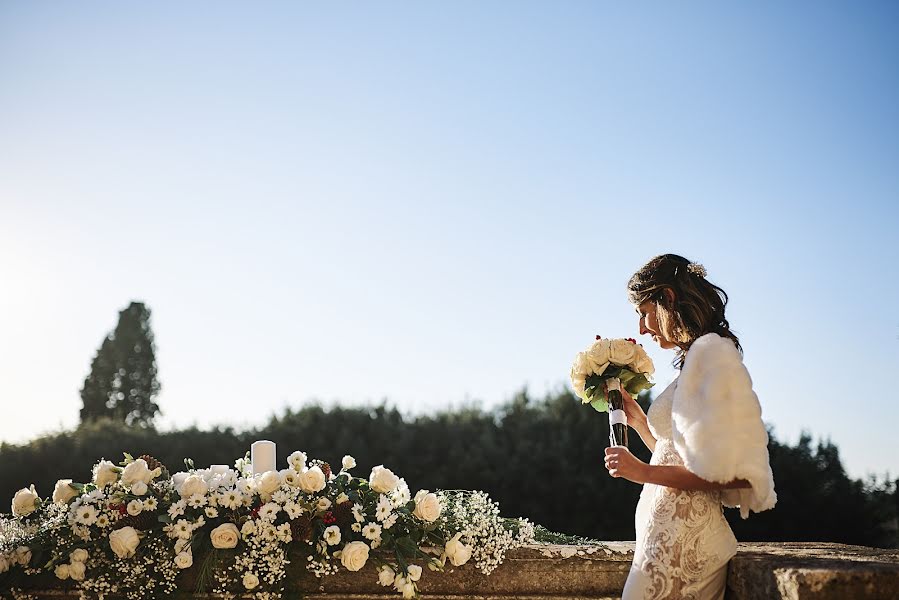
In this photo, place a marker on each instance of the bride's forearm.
(642, 430)
(679, 477)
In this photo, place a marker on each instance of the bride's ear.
(669, 296)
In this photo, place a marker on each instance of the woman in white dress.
(705, 431)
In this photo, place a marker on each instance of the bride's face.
(649, 324)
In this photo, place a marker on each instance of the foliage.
(527, 454)
(123, 383)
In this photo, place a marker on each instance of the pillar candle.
(262, 455)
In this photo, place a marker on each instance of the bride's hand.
(634, 412)
(621, 463)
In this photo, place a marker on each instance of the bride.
(708, 442)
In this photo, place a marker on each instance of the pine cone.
(325, 467)
(343, 512)
(301, 528)
(145, 521)
(152, 464)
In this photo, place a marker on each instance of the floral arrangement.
(606, 359)
(135, 527)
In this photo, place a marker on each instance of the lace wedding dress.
(683, 539)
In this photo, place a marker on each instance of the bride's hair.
(698, 306)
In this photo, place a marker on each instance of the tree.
(123, 384)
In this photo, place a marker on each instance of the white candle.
(219, 469)
(262, 455)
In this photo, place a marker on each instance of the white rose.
(332, 535)
(291, 477)
(79, 555)
(23, 555)
(250, 581)
(61, 571)
(427, 506)
(63, 492)
(348, 462)
(184, 560)
(457, 552)
(644, 363)
(105, 473)
(354, 556)
(382, 480)
(25, 501)
(178, 478)
(622, 352)
(312, 480)
(225, 536)
(138, 488)
(136, 471)
(268, 482)
(297, 460)
(76, 571)
(408, 589)
(135, 507)
(600, 351)
(124, 542)
(193, 484)
(386, 576)
(248, 528)
(414, 572)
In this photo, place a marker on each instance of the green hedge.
(541, 459)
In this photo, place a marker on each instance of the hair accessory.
(697, 269)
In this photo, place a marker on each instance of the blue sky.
(441, 203)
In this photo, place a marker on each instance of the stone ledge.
(760, 571)
(823, 571)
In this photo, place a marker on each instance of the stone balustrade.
(760, 571)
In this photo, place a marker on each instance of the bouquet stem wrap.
(617, 417)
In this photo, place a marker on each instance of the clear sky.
(437, 203)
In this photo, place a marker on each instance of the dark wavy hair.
(698, 306)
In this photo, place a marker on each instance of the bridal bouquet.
(134, 527)
(603, 369)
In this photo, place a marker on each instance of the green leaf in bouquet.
(637, 384)
(600, 405)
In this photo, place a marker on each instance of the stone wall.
(788, 571)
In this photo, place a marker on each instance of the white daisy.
(269, 511)
(390, 521)
(293, 510)
(86, 515)
(151, 503)
(177, 508)
(197, 500)
(384, 508)
(372, 531)
(183, 529)
(284, 533)
(358, 514)
(231, 499)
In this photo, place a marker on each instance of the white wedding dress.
(683, 540)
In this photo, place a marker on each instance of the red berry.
(599, 337)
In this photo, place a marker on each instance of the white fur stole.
(717, 423)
